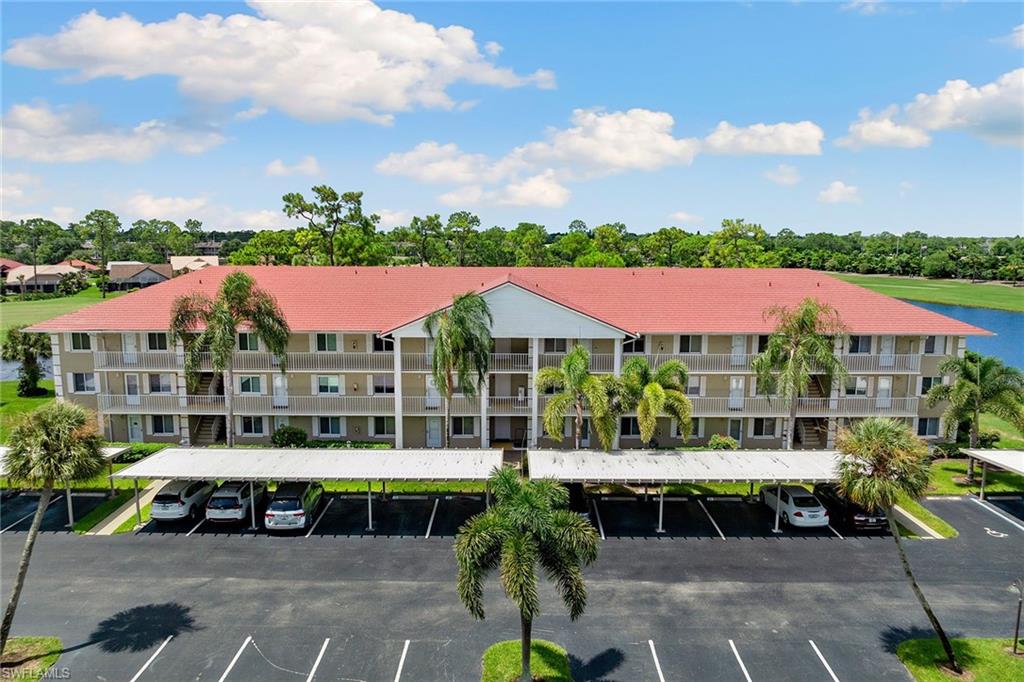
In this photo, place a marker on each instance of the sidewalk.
(127, 511)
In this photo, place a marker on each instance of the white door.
(736, 393)
(736, 430)
(433, 395)
(134, 428)
(883, 396)
(130, 346)
(433, 432)
(280, 390)
(887, 350)
(131, 389)
(739, 349)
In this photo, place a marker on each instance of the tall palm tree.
(653, 392)
(529, 524)
(26, 348)
(981, 383)
(211, 325)
(56, 442)
(462, 349)
(801, 345)
(885, 461)
(577, 390)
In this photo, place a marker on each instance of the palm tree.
(56, 442)
(529, 524)
(462, 348)
(577, 390)
(801, 345)
(981, 383)
(211, 325)
(655, 392)
(26, 348)
(885, 461)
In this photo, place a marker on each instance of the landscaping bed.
(984, 660)
(548, 662)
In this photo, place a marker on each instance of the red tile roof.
(9, 264)
(80, 264)
(646, 300)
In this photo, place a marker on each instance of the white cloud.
(838, 192)
(307, 166)
(15, 187)
(468, 195)
(492, 48)
(1015, 38)
(145, 206)
(905, 187)
(867, 7)
(684, 217)
(390, 219)
(250, 113)
(313, 61)
(783, 174)
(539, 190)
(880, 130)
(38, 132)
(803, 138)
(431, 162)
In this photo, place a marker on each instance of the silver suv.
(231, 501)
(181, 500)
(293, 505)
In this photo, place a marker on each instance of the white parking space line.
(823, 661)
(657, 663)
(28, 516)
(150, 660)
(234, 660)
(836, 532)
(430, 524)
(317, 522)
(319, 657)
(597, 514)
(401, 661)
(988, 507)
(195, 527)
(711, 519)
(739, 660)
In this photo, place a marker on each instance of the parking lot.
(16, 512)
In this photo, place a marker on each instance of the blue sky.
(862, 116)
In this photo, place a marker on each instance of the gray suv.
(293, 505)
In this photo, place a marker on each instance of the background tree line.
(337, 231)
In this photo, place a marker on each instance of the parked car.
(292, 506)
(231, 501)
(798, 506)
(847, 512)
(181, 500)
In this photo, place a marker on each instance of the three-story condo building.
(359, 358)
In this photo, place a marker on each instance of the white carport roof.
(109, 453)
(324, 464)
(686, 466)
(1011, 460)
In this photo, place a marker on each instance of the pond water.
(1008, 344)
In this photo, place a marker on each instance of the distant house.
(43, 278)
(111, 264)
(6, 265)
(80, 264)
(183, 264)
(138, 275)
(208, 248)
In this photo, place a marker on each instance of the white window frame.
(938, 427)
(319, 433)
(694, 381)
(385, 433)
(857, 386)
(88, 377)
(689, 343)
(149, 342)
(859, 337)
(327, 336)
(461, 419)
(250, 340)
(630, 420)
(81, 336)
(629, 345)
(252, 420)
(160, 377)
(335, 377)
(163, 418)
(388, 382)
(696, 428)
(242, 378)
(554, 344)
(380, 344)
(935, 381)
(763, 420)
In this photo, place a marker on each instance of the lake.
(1008, 344)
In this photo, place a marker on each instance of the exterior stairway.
(809, 435)
(208, 430)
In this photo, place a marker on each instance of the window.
(328, 384)
(163, 424)
(462, 426)
(83, 382)
(696, 428)
(859, 344)
(631, 345)
(383, 383)
(767, 387)
(280, 421)
(327, 343)
(80, 341)
(764, 427)
(856, 385)
(693, 343)
(156, 341)
(249, 384)
(252, 426)
(248, 341)
(330, 426)
(383, 345)
(928, 382)
(932, 345)
(629, 426)
(383, 426)
(692, 385)
(160, 383)
(555, 345)
(928, 426)
(762, 342)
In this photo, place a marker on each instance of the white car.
(231, 501)
(292, 506)
(798, 507)
(181, 500)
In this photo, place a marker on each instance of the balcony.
(314, 404)
(116, 360)
(697, 363)
(806, 407)
(884, 364)
(312, 362)
(599, 362)
(500, 362)
(508, 405)
(432, 405)
(160, 403)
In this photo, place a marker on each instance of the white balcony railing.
(135, 361)
(160, 403)
(314, 404)
(415, 405)
(697, 363)
(312, 362)
(508, 405)
(895, 364)
(705, 406)
(599, 362)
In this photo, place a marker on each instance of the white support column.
(71, 506)
(138, 507)
(984, 472)
(399, 433)
(535, 397)
(369, 505)
(58, 375)
(617, 370)
(778, 507)
(485, 426)
(182, 381)
(252, 505)
(661, 510)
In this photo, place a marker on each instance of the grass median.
(987, 660)
(130, 523)
(99, 513)
(548, 662)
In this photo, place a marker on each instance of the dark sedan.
(849, 513)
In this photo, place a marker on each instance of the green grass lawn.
(1009, 437)
(405, 487)
(944, 471)
(952, 292)
(101, 512)
(548, 662)
(28, 658)
(15, 313)
(936, 523)
(99, 482)
(11, 405)
(989, 660)
(129, 525)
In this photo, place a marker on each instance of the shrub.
(137, 451)
(350, 444)
(72, 282)
(722, 442)
(988, 439)
(946, 450)
(289, 437)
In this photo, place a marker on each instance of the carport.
(663, 467)
(110, 453)
(1010, 460)
(323, 464)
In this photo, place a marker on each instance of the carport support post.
(71, 509)
(984, 470)
(138, 507)
(110, 462)
(661, 510)
(750, 495)
(369, 504)
(778, 507)
(252, 505)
